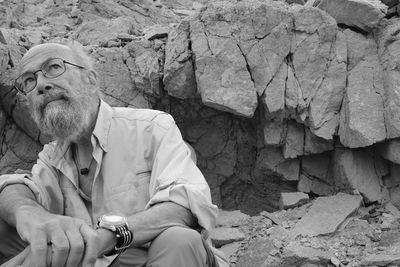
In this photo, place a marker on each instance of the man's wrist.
(107, 241)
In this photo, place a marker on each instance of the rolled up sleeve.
(42, 181)
(175, 177)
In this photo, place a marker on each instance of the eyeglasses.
(51, 68)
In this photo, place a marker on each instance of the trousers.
(174, 247)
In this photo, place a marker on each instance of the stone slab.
(327, 214)
(224, 235)
(231, 218)
(292, 199)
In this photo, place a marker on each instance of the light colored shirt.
(141, 160)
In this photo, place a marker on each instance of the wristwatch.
(117, 224)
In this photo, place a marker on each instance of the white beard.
(64, 120)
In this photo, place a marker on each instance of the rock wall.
(274, 96)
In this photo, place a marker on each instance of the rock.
(294, 141)
(266, 58)
(292, 199)
(327, 214)
(179, 79)
(314, 144)
(395, 196)
(224, 235)
(295, 255)
(155, 31)
(325, 105)
(100, 31)
(230, 249)
(314, 31)
(362, 116)
(317, 166)
(380, 260)
(223, 79)
(273, 97)
(392, 209)
(271, 159)
(258, 250)
(114, 76)
(354, 169)
(390, 150)
(274, 133)
(388, 50)
(231, 218)
(309, 184)
(144, 65)
(362, 14)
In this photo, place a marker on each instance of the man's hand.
(56, 240)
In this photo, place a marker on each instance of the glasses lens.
(53, 68)
(26, 82)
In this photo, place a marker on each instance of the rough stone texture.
(294, 141)
(362, 116)
(258, 251)
(101, 31)
(389, 53)
(312, 50)
(292, 199)
(362, 14)
(224, 235)
(179, 80)
(325, 105)
(274, 133)
(390, 150)
(231, 218)
(327, 214)
(295, 255)
(223, 80)
(381, 260)
(271, 159)
(144, 65)
(314, 144)
(355, 169)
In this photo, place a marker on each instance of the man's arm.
(148, 224)
(63, 240)
(13, 197)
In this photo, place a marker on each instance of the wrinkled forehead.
(38, 54)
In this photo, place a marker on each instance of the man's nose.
(42, 84)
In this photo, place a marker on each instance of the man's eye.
(28, 81)
(54, 67)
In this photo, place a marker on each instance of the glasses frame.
(44, 74)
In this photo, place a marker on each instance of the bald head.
(73, 52)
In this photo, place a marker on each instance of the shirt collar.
(100, 132)
(103, 124)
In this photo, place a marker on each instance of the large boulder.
(362, 14)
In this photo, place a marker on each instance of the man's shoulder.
(144, 116)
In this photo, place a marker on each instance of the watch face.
(113, 219)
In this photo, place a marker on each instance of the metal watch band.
(124, 239)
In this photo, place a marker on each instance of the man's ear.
(92, 75)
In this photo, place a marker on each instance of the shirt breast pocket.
(132, 195)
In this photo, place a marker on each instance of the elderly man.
(117, 186)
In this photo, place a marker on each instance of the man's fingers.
(91, 244)
(77, 248)
(59, 247)
(39, 249)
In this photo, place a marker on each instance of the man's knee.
(181, 238)
(177, 246)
